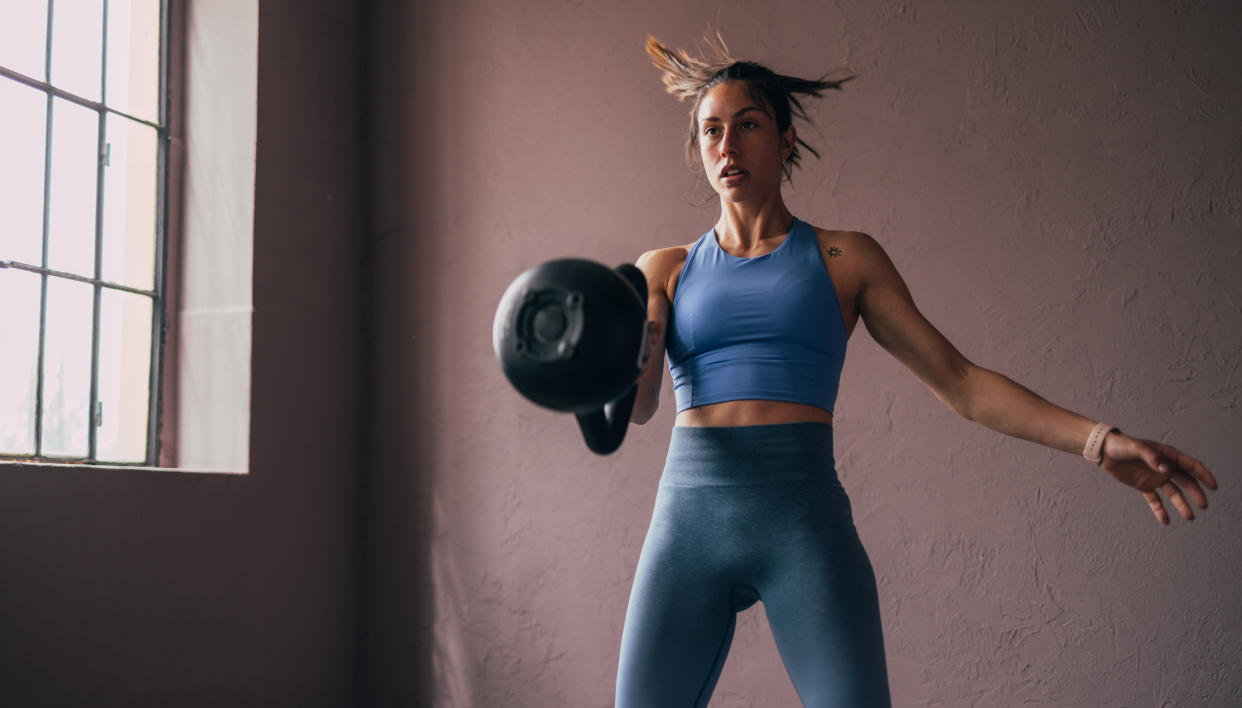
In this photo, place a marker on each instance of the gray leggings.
(745, 514)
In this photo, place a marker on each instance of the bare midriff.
(752, 412)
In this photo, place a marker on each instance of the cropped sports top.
(767, 327)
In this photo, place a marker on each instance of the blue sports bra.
(767, 327)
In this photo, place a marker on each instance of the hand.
(1149, 466)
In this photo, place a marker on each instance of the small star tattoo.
(833, 252)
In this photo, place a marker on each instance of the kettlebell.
(571, 335)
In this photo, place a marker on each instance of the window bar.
(103, 61)
(101, 164)
(69, 96)
(47, 45)
(47, 188)
(155, 403)
(74, 276)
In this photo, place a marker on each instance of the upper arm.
(888, 310)
(657, 267)
(654, 268)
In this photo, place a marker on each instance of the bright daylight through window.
(82, 135)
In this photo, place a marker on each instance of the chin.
(737, 196)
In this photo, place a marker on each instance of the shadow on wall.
(396, 663)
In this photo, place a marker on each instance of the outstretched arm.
(991, 399)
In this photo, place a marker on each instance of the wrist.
(1093, 451)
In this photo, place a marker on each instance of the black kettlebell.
(571, 335)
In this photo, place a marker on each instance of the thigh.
(825, 617)
(678, 626)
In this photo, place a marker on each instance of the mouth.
(732, 173)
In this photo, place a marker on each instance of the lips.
(731, 171)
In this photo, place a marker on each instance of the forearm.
(652, 376)
(646, 402)
(994, 400)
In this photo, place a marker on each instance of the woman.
(754, 316)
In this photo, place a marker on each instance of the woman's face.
(741, 148)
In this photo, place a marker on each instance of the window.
(82, 190)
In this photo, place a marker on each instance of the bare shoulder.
(856, 254)
(659, 258)
(663, 265)
(860, 243)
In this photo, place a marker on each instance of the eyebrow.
(714, 119)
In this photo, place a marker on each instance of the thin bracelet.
(1094, 450)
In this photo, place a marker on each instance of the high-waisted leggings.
(747, 514)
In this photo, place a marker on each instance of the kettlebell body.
(571, 335)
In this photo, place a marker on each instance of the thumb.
(1154, 460)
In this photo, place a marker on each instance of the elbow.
(640, 416)
(963, 410)
(645, 404)
(957, 394)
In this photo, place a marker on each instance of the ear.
(789, 139)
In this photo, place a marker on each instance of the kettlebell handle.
(604, 428)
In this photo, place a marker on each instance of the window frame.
(158, 293)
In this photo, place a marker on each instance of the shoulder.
(662, 265)
(663, 257)
(856, 251)
(857, 241)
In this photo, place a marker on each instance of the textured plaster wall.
(1058, 183)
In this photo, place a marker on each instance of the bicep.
(891, 317)
(658, 308)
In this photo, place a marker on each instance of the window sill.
(83, 466)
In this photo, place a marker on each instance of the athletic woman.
(754, 316)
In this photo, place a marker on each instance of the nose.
(728, 142)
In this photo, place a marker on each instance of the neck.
(744, 225)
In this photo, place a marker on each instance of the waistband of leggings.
(749, 454)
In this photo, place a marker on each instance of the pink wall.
(1055, 180)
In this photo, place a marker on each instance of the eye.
(711, 130)
(750, 124)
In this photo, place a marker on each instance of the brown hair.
(688, 77)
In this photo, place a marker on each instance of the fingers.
(1191, 487)
(1176, 459)
(1188, 472)
(1179, 500)
(1195, 468)
(1177, 475)
(1177, 495)
(1157, 507)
